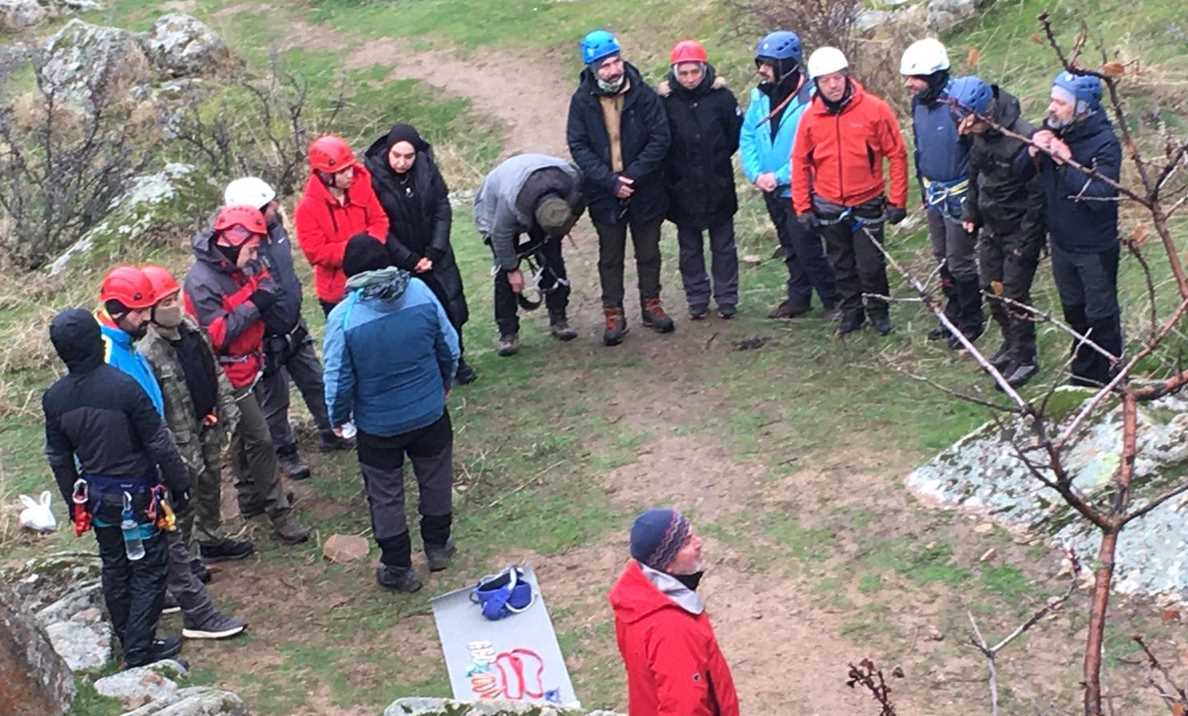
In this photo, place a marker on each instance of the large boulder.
(34, 679)
(143, 684)
(82, 61)
(17, 15)
(944, 15)
(179, 45)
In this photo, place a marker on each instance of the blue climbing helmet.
(599, 45)
(780, 45)
(1085, 89)
(970, 93)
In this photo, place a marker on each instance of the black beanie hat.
(364, 253)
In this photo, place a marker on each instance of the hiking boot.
(226, 550)
(465, 374)
(330, 442)
(653, 316)
(698, 313)
(971, 334)
(170, 605)
(850, 323)
(616, 326)
(509, 344)
(559, 329)
(251, 510)
(1001, 358)
(397, 579)
(830, 312)
(201, 573)
(438, 555)
(160, 649)
(726, 313)
(1018, 374)
(291, 464)
(938, 333)
(882, 324)
(789, 309)
(216, 627)
(288, 530)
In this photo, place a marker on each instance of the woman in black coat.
(416, 199)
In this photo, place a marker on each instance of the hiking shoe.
(201, 573)
(727, 312)
(166, 648)
(330, 442)
(831, 312)
(250, 510)
(397, 579)
(1018, 374)
(938, 333)
(465, 374)
(438, 555)
(970, 334)
(226, 550)
(170, 605)
(882, 324)
(850, 323)
(509, 345)
(789, 309)
(560, 330)
(216, 627)
(1001, 358)
(697, 313)
(288, 530)
(291, 463)
(616, 326)
(653, 316)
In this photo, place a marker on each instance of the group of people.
(169, 381)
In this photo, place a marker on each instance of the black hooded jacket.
(101, 416)
(419, 217)
(644, 141)
(704, 123)
(998, 198)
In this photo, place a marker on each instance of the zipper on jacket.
(841, 189)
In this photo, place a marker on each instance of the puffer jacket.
(674, 664)
(324, 227)
(998, 198)
(217, 293)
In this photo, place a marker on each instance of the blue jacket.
(118, 352)
(390, 354)
(1079, 220)
(761, 154)
(942, 155)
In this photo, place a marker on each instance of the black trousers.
(612, 252)
(134, 591)
(804, 257)
(1008, 257)
(858, 264)
(1088, 288)
(556, 294)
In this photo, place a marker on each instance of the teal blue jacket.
(759, 152)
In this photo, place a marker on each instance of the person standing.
(942, 167)
(541, 197)
(673, 661)
(1009, 213)
(338, 203)
(765, 147)
(704, 121)
(1082, 214)
(838, 184)
(416, 200)
(391, 354)
(618, 135)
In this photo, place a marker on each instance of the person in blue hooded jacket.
(765, 147)
(391, 355)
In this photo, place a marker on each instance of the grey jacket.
(497, 214)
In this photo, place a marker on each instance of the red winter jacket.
(674, 665)
(324, 227)
(839, 157)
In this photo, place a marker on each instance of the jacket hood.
(77, 340)
(387, 284)
(589, 81)
(642, 591)
(203, 244)
(1006, 107)
(315, 189)
(709, 83)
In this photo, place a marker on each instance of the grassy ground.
(789, 457)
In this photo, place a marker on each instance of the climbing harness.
(504, 594)
(946, 197)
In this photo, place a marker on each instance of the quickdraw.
(81, 514)
(946, 197)
(538, 283)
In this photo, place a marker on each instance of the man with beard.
(1082, 215)
(618, 135)
(942, 166)
(673, 661)
(703, 119)
(1009, 212)
(765, 147)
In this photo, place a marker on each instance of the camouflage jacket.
(196, 442)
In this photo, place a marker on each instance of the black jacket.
(102, 416)
(283, 316)
(644, 140)
(998, 198)
(419, 220)
(704, 124)
(1079, 221)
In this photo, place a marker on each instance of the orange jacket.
(839, 157)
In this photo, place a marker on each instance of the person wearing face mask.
(228, 289)
(838, 184)
(765, 148)
(415, 198)
(618, 135)
(1082, 217)
(703, 119)
(942, 167)
(673, 661)
(337, 204)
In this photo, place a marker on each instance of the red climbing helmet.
(129, 286)
(687, 51)
(330, 153)
(164, 284)
(249, 217)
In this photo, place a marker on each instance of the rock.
(179, 45)
(422, 706)
(868, 20)
(17, 15)
(82, 59)
(73, 605)
(944, 15)
(934, 634)
(195, 701)
(143, 684)
(33, 677)
(83, 646)
(345, 548)
(752, 259)
(985, 528)
(988, 555)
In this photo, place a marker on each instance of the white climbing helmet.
(923, 57)
(826, 61)
(248, 191)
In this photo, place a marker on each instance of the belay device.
(501, 595)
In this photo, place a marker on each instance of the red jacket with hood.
(674, 665)
(839, 157)
(324, 227)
